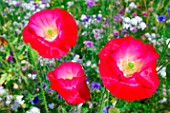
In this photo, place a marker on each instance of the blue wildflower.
(162, 18)
(95, 85)
(99, 17)
(107, 19)
(43, 84)
(88, 79)
(50, 91)
(168, 10)
(47, 77)
(36, 100)
(59, 96)
(86, 19)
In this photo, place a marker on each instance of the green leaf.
(114, 110)
(5, 77)
(85, 110)
(33, 55)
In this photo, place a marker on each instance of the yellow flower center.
(70, 78)
(51, 33)
(129, 67)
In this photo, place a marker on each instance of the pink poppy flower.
(70, 82)
(128, 68)
(51, 33)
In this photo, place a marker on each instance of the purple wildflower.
(36, 100)
(34, 3)
(116, 18)
(106, 109)
(17, 4)
(121, 12)
(116, 34)
(90, 3)
(133, 29)
(88, 44)
(162, 18)
(36, 6)
(44, 2)
(95, 85)
(10, 58)
(34, 71)
(124, 32)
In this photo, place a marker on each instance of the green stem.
(41, 86)
(163, 66)
(162, 58)
(18, 64)
(43, 93)
(108, 98)
(102, 99)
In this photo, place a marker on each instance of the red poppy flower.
(70, 82)
(128, 68)
(51, 33)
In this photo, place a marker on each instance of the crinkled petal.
(74, 90)
(67, 36)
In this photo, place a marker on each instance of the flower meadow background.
(24, 85)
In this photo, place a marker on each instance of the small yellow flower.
(97, 91)
(20, 57)
(23, 105)
(112, 100)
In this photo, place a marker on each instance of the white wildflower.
(134, 21)
(15, 105)
(153, 35)
(19, 99)
(162, 72)
(163, 100)
(147, 35)
(88, 63)
(76, 58)
(127, 10)
(2, 90)
(167, 41)
(132, 5)
(126, 26)
(34, 110)
(83, 17)
(32, 76)
(51, 106)
(139, 19)
(70, 3)
(8, 99)
(93, 66)
(127, 19)
(142, 25)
